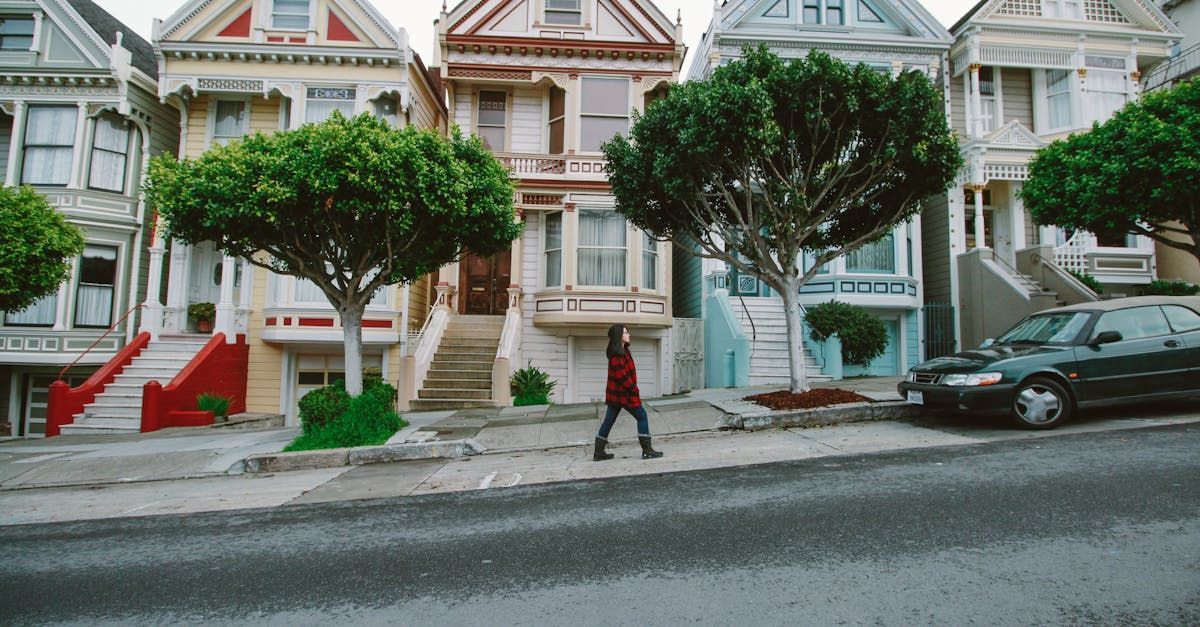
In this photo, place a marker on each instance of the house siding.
(935, 242)
(545, 348)
(527, 121)
(1016, 87)
(263, 390)
(958, 107)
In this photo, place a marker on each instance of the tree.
(769, 160)
(36, 248)
(352, 205)
(1135, 173)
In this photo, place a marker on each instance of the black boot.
(648, 452)
(599, 455)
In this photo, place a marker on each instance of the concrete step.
(160, 364)
(107, 421)
(176, 346)
(448, 342)
(785, 379)
(440, 404)
(459, 375)
(150, 371)
(185, 356)
(105, 399)
(89, 429)
(139, 380)
(443, 393)
(92, 410)
(459, 384)
(469, 349)
(465, 357)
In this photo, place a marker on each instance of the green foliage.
(531, 386)
(1088, 280)
(217, 404)
(1170, 288)
(364, 420)
(864, 337)
(350, 204)
(1135, 173)
(322, 406)
(202, 311)
(36, 248)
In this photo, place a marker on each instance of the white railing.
(508, 352)
(431, 338)
(1073, 254)
(533, 165)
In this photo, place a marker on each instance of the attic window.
(290, 14)
(16, 34)
(564, 12)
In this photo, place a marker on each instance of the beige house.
(544, 83)
(1024, 73)
(243, 66)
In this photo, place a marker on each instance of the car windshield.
(1059, 328)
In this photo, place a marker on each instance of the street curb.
(822, 416)
(360, 455)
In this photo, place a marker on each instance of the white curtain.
(601, 249)
(605, 111)
(41, 313)
(878, 256)
(554, 250)
(308, 292)
(109, 150)
(649, 263)
(291, 14)
(1106, 94)
(320, 110)
(49, 144)
(93, 305)
(1058, 98)
(230, 122)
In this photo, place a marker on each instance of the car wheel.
(1041, 404)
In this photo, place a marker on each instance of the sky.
(417, 16)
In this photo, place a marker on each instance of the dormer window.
(290, 14)
(564, 12)
(16, 34)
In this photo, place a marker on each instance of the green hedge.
(864, 337)
(1170, 288)
(331, 418)
(531, 386)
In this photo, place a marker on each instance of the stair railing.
(63, 372)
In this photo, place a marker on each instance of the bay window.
(564, 12)
(290, 14)
(553, 250)
(491, 119)
(1058, 98)
(601, 254)
(649, 262)
(987, 99)
(229, 122)
(876, 257)
(110, 152)
(604, 111)
(40, 314)
(97, 283)
(16, 34)
(1105, 94)
(49, 145)
(323, 101)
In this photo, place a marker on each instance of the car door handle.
(1171, 343)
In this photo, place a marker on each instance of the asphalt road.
(1093, 528)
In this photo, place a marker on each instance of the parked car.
(1057, 361)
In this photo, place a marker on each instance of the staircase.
(764, 323)
(118, 409)
(460, 376)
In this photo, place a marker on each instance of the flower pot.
(204, 326)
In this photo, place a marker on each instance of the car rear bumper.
(991, 399)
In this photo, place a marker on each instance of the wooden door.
(484, 284)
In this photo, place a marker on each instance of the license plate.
(916, 397)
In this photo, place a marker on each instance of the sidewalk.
(198, 453)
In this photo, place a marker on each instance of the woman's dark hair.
(616, 347)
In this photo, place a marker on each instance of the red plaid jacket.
(622, 389)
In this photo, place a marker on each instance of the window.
(987, 99)
(556, 121)
(1058, 98)
(1182, 319)
(812, 11)
(649, 262)
(39, 314)
(604, 112)
(230, 121)
(49, 145)
(1059, 328)
(554, 250)
(1063, 9)
(388, 110)
(1117, 240)
(834, 13)
(16, 34)
(290, 14)
(97, 280)
(878, 256)
(323, 101)
(564, 12)
(110, 150)
(601, 248)
(307, 292)
(491, 119)
(1134, 323)
(1105, 94)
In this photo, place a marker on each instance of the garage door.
(591, 368)
(887, 364)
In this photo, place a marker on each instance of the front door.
(485, 282)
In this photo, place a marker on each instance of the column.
(20, 113)
(1017, 221)
(571, 123)
(81, 126)
(175, 314)
(518, 251)
(245, 297)
(570, 245)
(152, 309)
(64, 295)
(225, 308)
(976, 103)
(980, 232)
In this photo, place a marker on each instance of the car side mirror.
(1106, 337)
(988, 342)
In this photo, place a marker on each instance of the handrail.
(1029, 284)
(102, 336)
(1159, 75)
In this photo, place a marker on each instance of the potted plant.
(204, 314)
(215, 403)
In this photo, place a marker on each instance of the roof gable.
(1136, 14)
(631, 21)
(353, 23)
(864, 18)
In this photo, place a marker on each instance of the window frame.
(583, 114)
(478, 101)
(1167, 308)
(53, 296)
(1096, 330)
(891, 234)
(650, 250)
(1048, 97)
(25, 145)
(547, 10)
(214, 104)
(129, 135)
(546, 250)
(31, 36)
(308, 15)
(79, 283)
(580, 247)
(551, 120)
(309, 99)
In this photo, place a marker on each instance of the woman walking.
(622, 393)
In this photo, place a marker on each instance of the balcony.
(535, 167)
(1083, 254)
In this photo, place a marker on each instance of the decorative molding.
(502, 75)
(8, 91)
(576, 63)
(230, 84)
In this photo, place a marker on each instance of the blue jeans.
(639, 414)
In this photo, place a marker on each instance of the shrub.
(202, 311)
(367, 419)
(1088, 280)
(1161, 287)
(217, 404)
(531, 386)
(864, 337)
(323, 405)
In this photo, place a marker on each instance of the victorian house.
(891, 36)
(1022, 74)
(544, 83)
(79, 118)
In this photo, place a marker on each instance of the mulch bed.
(807, 400)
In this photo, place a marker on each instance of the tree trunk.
(352, 316)
(795, 334)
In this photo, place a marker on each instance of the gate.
(939, 330)
(687, 343)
